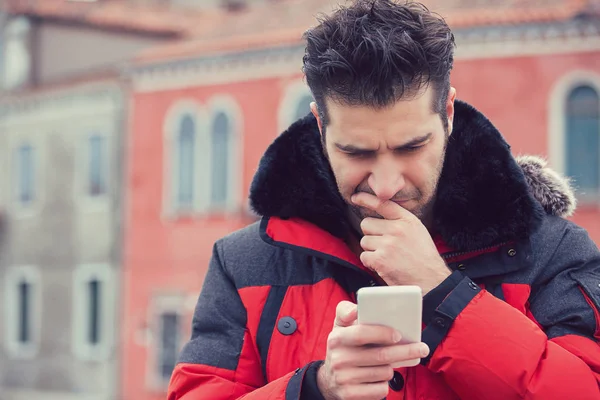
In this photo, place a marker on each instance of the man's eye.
(359, 154)
(413, 148)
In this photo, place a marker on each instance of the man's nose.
(386, 180)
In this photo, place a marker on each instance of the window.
(186, 140)
(186, 174)
(169, 341)
(93, 311)
(583, 139)
(17, 59)
(224, 153)
(169, 325)
(303, 107)
(24, 174)
(22, 311)
(97, 166)
(221, 137)
(295, 104)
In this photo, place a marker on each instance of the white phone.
(399, 307)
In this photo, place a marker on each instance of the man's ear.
(315, 112)
(450, 108)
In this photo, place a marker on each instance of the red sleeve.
(201, 382)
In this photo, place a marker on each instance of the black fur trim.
(483, 197)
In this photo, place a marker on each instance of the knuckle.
(336, 362)
(333, 339)
(339, 379)
(382, 355)
(363, 241)
(381, 390)
(388, 373)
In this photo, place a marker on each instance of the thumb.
(345, 314)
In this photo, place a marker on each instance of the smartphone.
(399, 307)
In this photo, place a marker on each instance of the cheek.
(348, 174)
(425, 170)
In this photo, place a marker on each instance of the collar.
(483, 194)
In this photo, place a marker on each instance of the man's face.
(395, 153)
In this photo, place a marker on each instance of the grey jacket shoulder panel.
(250, 260)
(246, 257)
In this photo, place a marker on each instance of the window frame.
(170, 185)
(13, 276)
(18, 137)
(230, 108)
(293, 93)
(159, 305)
(557, 122)
(81, 347)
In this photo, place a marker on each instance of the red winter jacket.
(518, 318)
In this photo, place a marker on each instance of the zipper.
(483, 249)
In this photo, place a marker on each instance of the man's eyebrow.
(414, 142)
(349, 148)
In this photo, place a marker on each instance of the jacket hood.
(485, 195)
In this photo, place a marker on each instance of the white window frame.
(16, 39)
(227, 105)
(82, 275)
(557, 118)
(201, 164)
(84, 199)
(292, 94)
(31, 209)
(14, 275)
(160, 304)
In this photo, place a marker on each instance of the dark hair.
(375, 52)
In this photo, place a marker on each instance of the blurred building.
(125, 155)
(63, 119)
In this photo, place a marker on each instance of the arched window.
(303, 106)
(583, 139)
(220, 153)
(295, 104)
(185, 162)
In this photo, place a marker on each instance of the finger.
(375, 226)
(345, 314)
(387, 209)
(380, 373)
(361, 335)
(371, 259)
(383, 355)
(371, 243)
(377, 390)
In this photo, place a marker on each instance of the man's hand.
(399, 247)
(359, 358)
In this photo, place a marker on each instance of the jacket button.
(512, 252)
(287, 325)
(397, 382)
(473, 285)
(440, 322)
(461, 267)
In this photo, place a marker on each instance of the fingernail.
(397, 336)
(424, 350)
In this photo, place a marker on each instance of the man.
(391, 181)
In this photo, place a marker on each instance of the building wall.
(64, 231)
(63, 50)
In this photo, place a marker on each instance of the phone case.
(399, 307)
